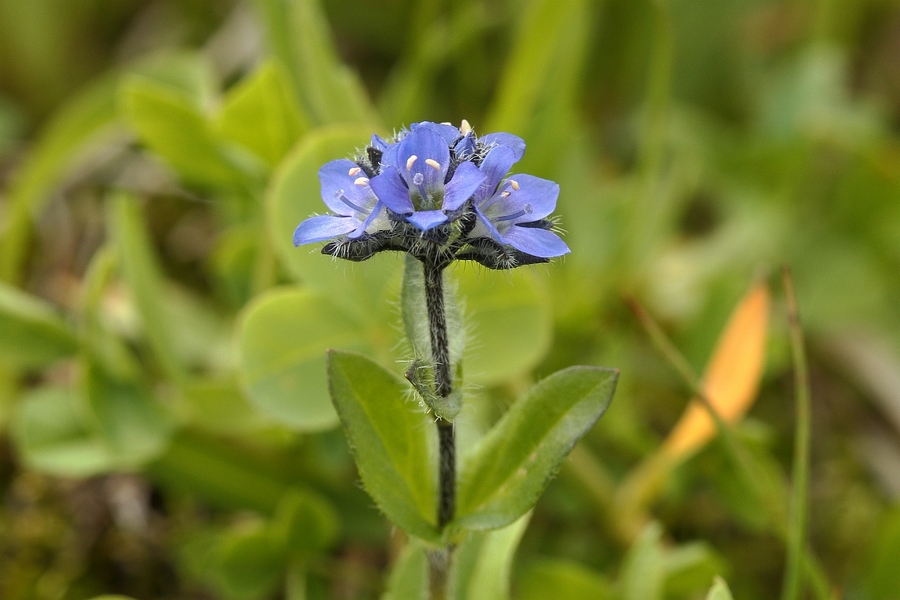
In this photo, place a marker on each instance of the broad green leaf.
(689, 567)
(222, 474)
(505, 476)
(144, 277)
(719, 591)
(560, 578)
(170, 125)
(134, 425)
(643, 571)
(304, 522)
(51, 433)
(509, 320)
(334, 93)
(262, 115)
(409, 575)
(87, 116)
(294, 195)
(283, 336)
(248, 563)
(219, 406)
(393, 440)
(33, 334)
(483, 563)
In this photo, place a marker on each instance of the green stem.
(797, 522)
(443, 383)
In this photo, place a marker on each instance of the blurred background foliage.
(166, 431)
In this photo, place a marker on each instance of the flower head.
(440, 193)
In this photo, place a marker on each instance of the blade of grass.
(736, 452)
(793, 584)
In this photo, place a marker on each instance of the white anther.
(464, 127)
(433, 164)
(361, 181)
(411, 161)
(514, 184)
(504, 194)
(447, 123)
(354, 171)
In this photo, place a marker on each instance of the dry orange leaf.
(732, 376)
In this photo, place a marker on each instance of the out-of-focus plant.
(160, 333)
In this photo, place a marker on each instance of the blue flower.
(346, 192)
(439, 193)
(512, 212)
(418, 185)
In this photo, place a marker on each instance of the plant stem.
(797, 520)
(443, 383)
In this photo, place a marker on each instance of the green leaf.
(283, 336)
(134, 425)
(483, 562)
(361, 289)
(88, 115)
(170, 125)
(560, 578)
(719, 591)
(505, 476)
(393, 440)
(643, 571)
(222, 474)
(510, 321)
(144, 276)
(262, 115)
(219, 406)
(299, 32)
(304, 523)
(248, 564)
(409, 575)
(51, 433)
(33, 333)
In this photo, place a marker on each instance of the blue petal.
(335, 180)
(391, 190)
(535, 241)
(465, 146)
(426, 219)
(424, 144)
(376, 212)
(495, 166)
(492, 229)
(321, 228)
(448, 132)
(466, 180)
(378, 142)
(540, 194)
(513, 142)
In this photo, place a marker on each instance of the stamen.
(514, 184)
(526, 210)
(447, 123)
(354, 171)
(349, 203)
(504, 194)
(464, 127)
(433, 164)
(361, 181)
(411, 161)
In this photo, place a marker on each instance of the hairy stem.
(443, 383)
